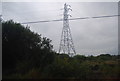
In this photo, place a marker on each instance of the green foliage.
(80, 58)
(27, 55)
(105, 57)
(23, 48)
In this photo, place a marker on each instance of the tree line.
(28, 55)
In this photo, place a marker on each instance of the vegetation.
(28, 55)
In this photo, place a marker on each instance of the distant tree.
(104, 57)
(80, 58)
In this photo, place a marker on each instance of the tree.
(21, 46)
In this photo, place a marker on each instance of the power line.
(78, 18)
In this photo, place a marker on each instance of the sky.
(90, 36)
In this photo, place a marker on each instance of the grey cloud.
(91, 37)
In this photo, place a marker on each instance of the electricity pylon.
(66, 42)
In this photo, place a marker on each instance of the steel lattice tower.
(66, 42)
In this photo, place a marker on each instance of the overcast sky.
(90, 36)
